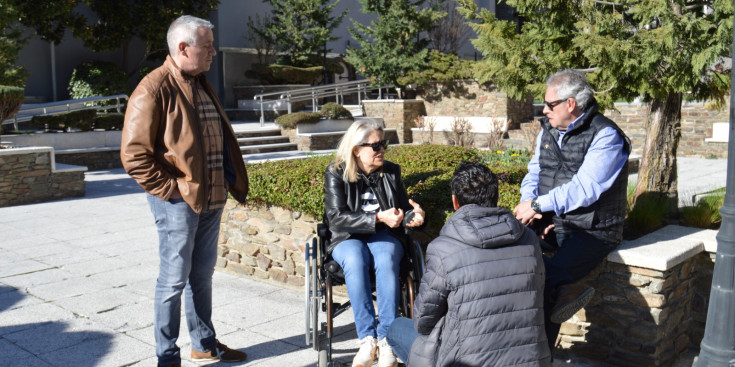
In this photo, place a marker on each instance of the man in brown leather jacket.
(178, 144)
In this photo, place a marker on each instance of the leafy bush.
(441, 68)
(290, 120)
(426, 171)
(98, 78)
(11, 98)
(645, 215)
(335, 111)
(111, 121)
(80, 119)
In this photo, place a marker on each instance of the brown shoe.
(220, 353)
(570, 299)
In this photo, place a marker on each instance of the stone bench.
(94, 149)
(32, 175)
(650, 302)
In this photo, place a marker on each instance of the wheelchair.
(322, 273)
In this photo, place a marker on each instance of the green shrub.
(335, 111)
(11, 98)
(426, 171)
(111, 121)
(98, 78)
(290, 120)
(706, 212)
(80, 119)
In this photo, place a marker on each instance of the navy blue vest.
(603, 218)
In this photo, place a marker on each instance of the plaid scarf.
(212, 129)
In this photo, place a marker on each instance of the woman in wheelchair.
(367, 209)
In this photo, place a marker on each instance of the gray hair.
(357, 134)
(184, 29)
(569, 83)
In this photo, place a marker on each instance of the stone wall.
(95, 159)
(638, 317)
(469, 98)
(264, 242)
(26, 176)
(696, 126)
(398, 114)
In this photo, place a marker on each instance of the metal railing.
(313, 94)
(26, 112)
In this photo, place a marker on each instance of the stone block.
(233, 256)
(240, 269)
(282, 229)
(263, 262)
(289, 266)
(295, 281)
(263, 225)
(277, 274)
(249, 261)
(277, 253)
(259, 273)
(281, 215)
(221, 262)
(640, 298)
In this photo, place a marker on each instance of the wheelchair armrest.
(323, 231)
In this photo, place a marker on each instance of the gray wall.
(230, 31)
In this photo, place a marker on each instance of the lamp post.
(718, 344)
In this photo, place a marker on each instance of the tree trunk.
(657, 175)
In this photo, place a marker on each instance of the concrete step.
(261, 140)
(267, 148)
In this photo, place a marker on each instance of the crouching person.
(480, 302)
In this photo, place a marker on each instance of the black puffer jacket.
(342, 202)
(480, 302)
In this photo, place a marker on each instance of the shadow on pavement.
(46, 343)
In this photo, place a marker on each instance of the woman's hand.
(391, 217)
(418, 214)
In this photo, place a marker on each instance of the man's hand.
(548, 229)
(391, 217)
(418, 214)
(525, 214)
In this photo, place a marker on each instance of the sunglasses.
(553, 104)
(376, 146)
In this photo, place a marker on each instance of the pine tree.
(392, 45)
(660, 50)
(301, 28)
(12, 41)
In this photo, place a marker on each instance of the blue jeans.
(382, 252)
(401, 336)
(187, 246)
(578, 253)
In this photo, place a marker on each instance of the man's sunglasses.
(376, 146)
(553, 104)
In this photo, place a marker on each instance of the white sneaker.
(386, 357)
(366, 354)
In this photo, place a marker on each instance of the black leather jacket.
(342, 203)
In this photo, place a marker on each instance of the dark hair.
(474, 183)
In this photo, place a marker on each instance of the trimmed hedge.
(426, 171)
(80, 119)
(110, 121)
(335, 111)
(290, 120)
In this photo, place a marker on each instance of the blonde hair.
(357, 134)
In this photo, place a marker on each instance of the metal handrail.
(338, 90)
(26, 112)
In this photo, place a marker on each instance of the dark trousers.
(576, 254)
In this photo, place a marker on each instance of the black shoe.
(571, 299)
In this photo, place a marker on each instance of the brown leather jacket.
(162, 146)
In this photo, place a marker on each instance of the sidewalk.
(77, 279)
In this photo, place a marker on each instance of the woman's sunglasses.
(376, 146)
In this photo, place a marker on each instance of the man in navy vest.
(574, 193)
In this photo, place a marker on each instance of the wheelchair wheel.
(322, 362)
(311, 295)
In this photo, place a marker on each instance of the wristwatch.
(534, 205)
